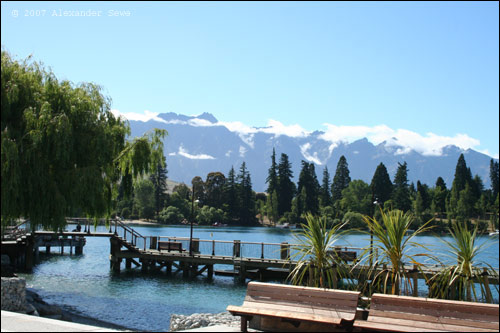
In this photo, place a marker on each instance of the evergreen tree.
(463, 176)
(423, 190)
(381, 185)
(439, 197)
(231, 195)
(494, 177)
(286, 188)
(401, 190)
(246, 196)
(159, 181)
(325, 196)
(341, 179)
(272, 175)
(272, 207)
(308, 189)
(440, 183)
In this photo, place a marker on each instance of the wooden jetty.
(152, 253)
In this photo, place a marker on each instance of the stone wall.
(13, 294)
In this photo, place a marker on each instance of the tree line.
(231, 200)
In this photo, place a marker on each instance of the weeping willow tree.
(63, 151)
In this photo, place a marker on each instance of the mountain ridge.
(197, 145)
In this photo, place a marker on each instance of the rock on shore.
(181, 322)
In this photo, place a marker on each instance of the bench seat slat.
(246, 311)
(432, 319)
(373, 326)
(400, 322)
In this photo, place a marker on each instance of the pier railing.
(236, 248)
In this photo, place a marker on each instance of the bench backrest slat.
(427, 309)
(306, 296)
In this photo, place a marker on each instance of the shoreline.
(68, 314)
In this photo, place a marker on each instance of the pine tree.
(401, 190)
(246, 196)
(341, 179)
(308, 185)
(381, 185)
(231, 195)
(286, 188)
(325, 196)
(272, 176)
(440, 194)
(423, 190)
(463, 176)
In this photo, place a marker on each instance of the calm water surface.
(86, 285)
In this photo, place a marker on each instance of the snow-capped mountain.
(197, 145)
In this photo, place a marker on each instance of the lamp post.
(192, 219)
(375, 204)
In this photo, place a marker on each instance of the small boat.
(218, 224)
(494, 233)
(285, 225)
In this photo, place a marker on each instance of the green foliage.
(401, 190)
(354, 220)
(144, 198)
(308, 189)
(286, 188)
(209, 215)
(392, 246)
(460, 279)
(381, 185)
(325, 196)
(341, 179)
(246, 197)
(314, 261)
(357, 197)
(171, 215)
(62, 148)
(494, 177)
(214, 189)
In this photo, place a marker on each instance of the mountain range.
(197, 145)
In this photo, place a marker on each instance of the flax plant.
(460, 279)
(315, 260)
(386, 264)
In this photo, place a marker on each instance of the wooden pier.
(253, 260)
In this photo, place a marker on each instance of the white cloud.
(428, 144)
(184, 153)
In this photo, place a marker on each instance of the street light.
(192, 218)
(375, 204)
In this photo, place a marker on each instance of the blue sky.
(425, 72)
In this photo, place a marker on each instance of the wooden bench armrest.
(246, 311)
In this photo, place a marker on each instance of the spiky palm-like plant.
(313, 254)
(460, 279)
(388, 272)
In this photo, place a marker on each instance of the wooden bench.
(170, 246)
(344, 255)
(418, 314)
(276, 307)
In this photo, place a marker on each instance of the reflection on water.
(85, 283)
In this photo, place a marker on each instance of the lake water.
(86, 285)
